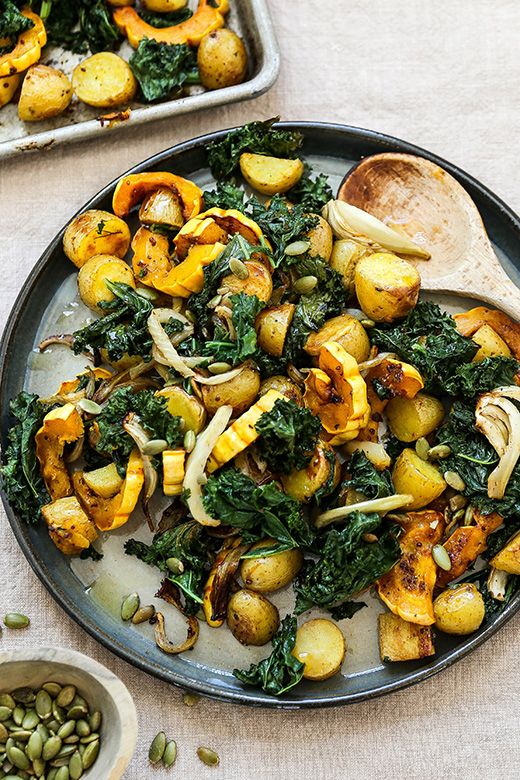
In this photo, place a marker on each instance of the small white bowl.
(97, 684)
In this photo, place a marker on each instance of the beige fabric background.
(443, 74)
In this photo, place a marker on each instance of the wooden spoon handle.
(493, 288)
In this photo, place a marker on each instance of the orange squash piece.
(466, 543)
(61, 426)
(407, 589)
(28, 47)
(100, 510)
(216, 225)
(205, 19)
(70, 528)
(151, 258)
(469, 322)
(134, 188)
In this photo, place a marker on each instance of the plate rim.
(245, 696)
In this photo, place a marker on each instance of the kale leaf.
(280, 671)
(428, 339)
(21, 478)
(226, 195)
(366, 479)
(222, 347)
(311, 194)
(162, 67)
(347, 564)
(346, 610)
(165, 20)
(12, 21)
(255, 137)
(497, 540)
(257, 510)
(282, 225)
(96, 32)
(470, 379)
(288, 436)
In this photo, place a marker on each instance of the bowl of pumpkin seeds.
(63, 716)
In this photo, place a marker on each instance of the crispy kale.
(257, 510)
(366, 479)
(280, 671)
(282, 225)
(288, 436)
(346, 564)
(12, 21)
(226, 195)
(161, 68)
(311, 194)
(347, 610)
(256, 137)
(167, 19)
(96, 32)
(222, 347)
(470, 379)
(21, 478)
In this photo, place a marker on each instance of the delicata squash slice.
(216, 225)
(466, 543)
(469, 322)
(134, 188)
(61, 426)
(69, 526)
(209, 16)
(28, 47)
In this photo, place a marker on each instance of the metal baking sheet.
(249, 18)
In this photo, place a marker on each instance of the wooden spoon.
(420, 199)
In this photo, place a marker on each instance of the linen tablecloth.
(443, 74)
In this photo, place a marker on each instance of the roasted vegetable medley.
(266, 386)
(174, 47)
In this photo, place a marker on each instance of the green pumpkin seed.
(190, 699)
(305, 285)
(18, 715)
(190, 316)
(77, 711)
(82, 728)
(154, 447)
(18, 758)
(214, 302)
(23, 695)
(58, 712)
(79, 700)
(31, 720)
(51, 748)
(43, 731)
(68, 728)
(170, 754)
(190, 439)
(141, 616)
(72, 740)
(60, 761)
(422, 448)
(53, 726)
(5, 713)
(66, 696)
(3, 733)
(175, 565)
(296, 248)
(21, 735)
(130, 606)
(76, 766)
(43, 704)
(457, 502)
(91, 738)
(439, 452)
(441, 557)
(16, 620)
(62, 773)
(468, 514)
(95, 718)
(34, 746)
(208, 756)
(238, 268)
(157, 748)
(52, 688)
(51, 775)
(90, 754)
(66, 750)
(6, 700)
(454, 480)
(39, 767)
(219, 367)
(89, 407)
(367, 323)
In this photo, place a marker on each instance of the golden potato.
(320, 239)
(239, 392)
(105, 482)
(321, 647)
(252, 619)
(46, 92)
(270, 175)
(387, 287)
(182, 404)
(284, 385)
(508, 558)
(459, 610)
(157, 6)
(222, 59)
(8, 87)
(490, 343)
(418, 478)
(272, 326)
(104, 80)
(258, 282)
(403, 641)
(93, 274)
(124, 362)
(304, 483)
(270, 572)
(95, 232)
(120, 3)
(410, 419)
(347, 331)
(344, 258)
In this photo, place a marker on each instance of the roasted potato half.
(270, 572)
(387, 287)
(410, 419)
(321, 647)
(418, 478)
(270, 175)
(403, 641)
(258, 282)
(104, 80)
(239, 392)
(8, 87)
(490, 343)
(95, 232)
(92, 277)
(222, 59)
(272, 326)
(284, 385)
(347, 331)
(182, 404)
(252, 619)
(320, 239)
(304, 483)
(344, 259)
(46, 92)
(459, 610)
(157, 6)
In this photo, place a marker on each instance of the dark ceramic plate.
(332, 148)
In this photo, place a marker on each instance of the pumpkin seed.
(468, 514)
(422, 448)
(367, 323)
(157, 748)
(441, 557)
(72, 740)
(141, 616)
(95, 718)
(89, 407)
(238, 268)
(91, 738)
(219, 368)
(16, 620)
(175, 565)
(130, 606)
(66, 750)
(5, 713)
(82, 728)
(39, 767)
(53, 726)
(305, 284)
(79, 700)
(454, 480)
(208, 756)
(51, 748)
(6, 700)
(31, 720)
(77, 711)
(3, 733)
(43, 704)
(18, 758)
(67, 729)
(21, 735)
(170, 754)
(34, 746)
(18, 715)
(190, 699)
(52, 688)
(296, 248)
(457, 502)
(439, 452)
(214, 302)
(154, 447)
(52, 774)
(23, 695)
(190, 439)
(90, 754)
(66, 696)
(75, 766)
(62, 773)
(58, 712)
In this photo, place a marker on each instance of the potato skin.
(387, 287)
(347, 331)
(239, 392)
(270, 175)
(8, 87)
(284, 385)
(411, 418)
(124, 362)
(344, 258)
(104, 80)
(95, 232)
(272, 572)
(251, 618)
(302, 484)
(92, 276)
(459, 610)
(258, 282)
(490, 344)
(272, 326)
(418, 478)
(46, 92)
(158, 6)
(182, 404)
(320, 238)
(222, 59)
(321, 646)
